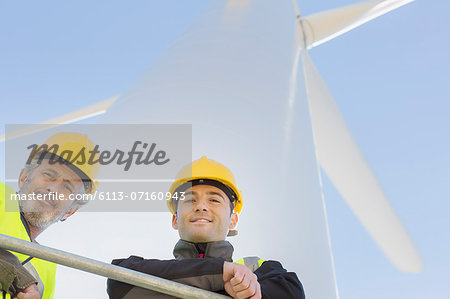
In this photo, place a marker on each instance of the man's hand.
(31, 292)
(240, 282)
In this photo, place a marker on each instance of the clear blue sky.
(389, 77)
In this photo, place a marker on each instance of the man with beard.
(45, 175)
(205, 205)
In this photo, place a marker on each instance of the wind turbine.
(243, 78)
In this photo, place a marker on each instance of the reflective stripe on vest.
(251, 262)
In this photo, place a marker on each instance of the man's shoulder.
(5, 192)
(8, 199)
(4, 187)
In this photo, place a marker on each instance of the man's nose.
(53, 186)
(201, 205)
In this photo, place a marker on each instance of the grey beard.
(40, 219)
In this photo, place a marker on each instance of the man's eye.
(47, 174)
(68, 188)
(215, 200)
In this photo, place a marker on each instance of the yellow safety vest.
(11, 224)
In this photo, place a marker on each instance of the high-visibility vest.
(11, 224)
(251, 262)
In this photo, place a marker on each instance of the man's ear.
(234, 221)
(70, 212)
(175, 221)
(23, 177)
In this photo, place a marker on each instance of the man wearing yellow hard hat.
(44, 174)
(205, 205)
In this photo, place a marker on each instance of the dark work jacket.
(201, 265)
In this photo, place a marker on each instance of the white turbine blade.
(343, 162)
(324, 26)
(229, 77)
(84, 113)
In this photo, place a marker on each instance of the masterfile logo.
(149, 154)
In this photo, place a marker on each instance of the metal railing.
(139, 279)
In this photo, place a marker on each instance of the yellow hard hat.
(63, 143)
(209, 172)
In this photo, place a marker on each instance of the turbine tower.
(242, 76)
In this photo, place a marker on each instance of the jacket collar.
(185, 250)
